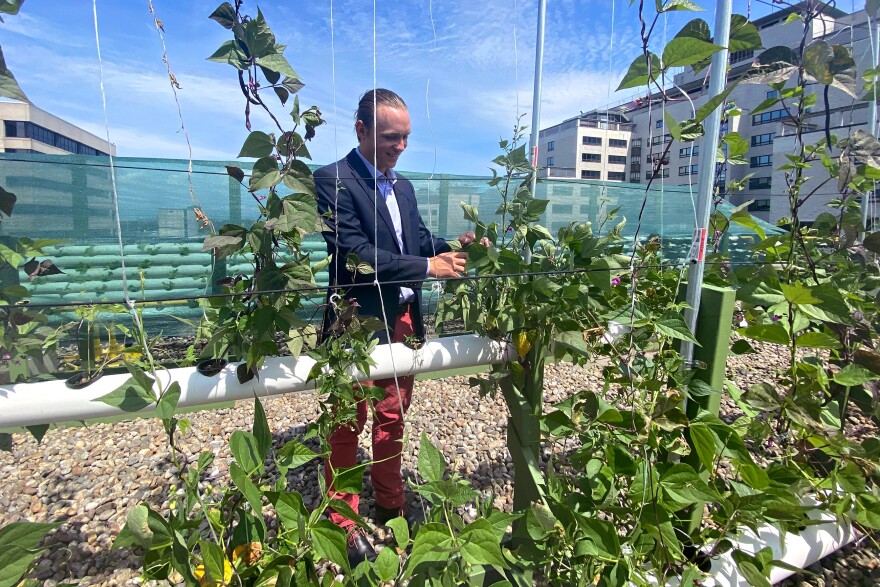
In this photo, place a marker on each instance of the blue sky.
(465, 75)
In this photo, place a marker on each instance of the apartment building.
(767, 133)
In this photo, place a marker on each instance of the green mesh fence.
(69, 197)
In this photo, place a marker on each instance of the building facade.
(27, 129)
(53, 201)
(767, 133)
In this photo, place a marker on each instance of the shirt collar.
(375, 173)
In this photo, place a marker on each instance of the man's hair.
(367, 104)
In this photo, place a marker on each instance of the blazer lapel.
(369, 186)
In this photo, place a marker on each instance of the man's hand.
(447, 265)
(468, 237)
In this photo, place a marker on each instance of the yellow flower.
(204, 581)
(521, 343)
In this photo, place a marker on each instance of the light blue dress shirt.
(385, 186)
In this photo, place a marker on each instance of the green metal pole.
(714, 323)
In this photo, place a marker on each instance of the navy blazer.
(347, 199)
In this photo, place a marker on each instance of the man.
(400, 248)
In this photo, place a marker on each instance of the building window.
(591, 157)
(617, 159)
(590, 174)
(764, 139)
(634, 178)
(562, 209)
(664, 139)
(761, 161)
(617, 143)
(616, 176)
(14, 128)
(29, 130)
(767, 117)
(551, 145)
(772, 94)
(661, 173)
(759, 183)
(591, 140)
(760, 206)
(636, 143)
(659, 124)
(738, 56)
(688, 151)
(688, 169)
(549, 161)
(27, 151)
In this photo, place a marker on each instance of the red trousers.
(388, 425)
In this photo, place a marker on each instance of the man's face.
(383, 147)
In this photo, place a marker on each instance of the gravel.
(88, 478)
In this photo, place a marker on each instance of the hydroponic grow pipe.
(800, 551)
(51, 402)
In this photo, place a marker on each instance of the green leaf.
(244, 484)
(167, 405)
(682, 51)
(704, 443)
(265, 174)
(213, 560)
(328, 540)
(797, 293)
(774, 332)
(697, 29)
(432, 544)
(290, 508)
(277, 62)
(7, 202)
(776, 64)
(676, 5)
(673, 325)
(751, 573)
(225, 15)
(743, 35)
(24, 534)
(817, 340)
(638, 74)
(479, 545)
(14, 562)
(387, 565)
(9, 88)
(245, 449)
(743, 218)
(262, 434)
(872, 240)
(852, 375)
(230, 52)
(742, 347)
(258, 144)
(706, 109)
(754, 476)
(350, 480)
(128, 397)
(400, 528)
(432, 465)
(295, 454)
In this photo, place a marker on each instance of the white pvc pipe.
(51, 402)
(798, 550)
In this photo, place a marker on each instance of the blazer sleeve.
(346, 234)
